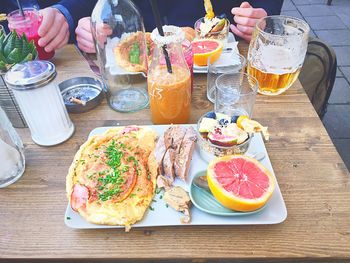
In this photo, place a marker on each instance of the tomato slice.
(130, 129)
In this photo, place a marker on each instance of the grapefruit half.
(240, 183)
(205, 48)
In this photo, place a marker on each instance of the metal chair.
(318, 74)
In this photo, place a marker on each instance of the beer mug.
(277, 52)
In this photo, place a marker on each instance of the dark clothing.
(186, 12)
(73, 10)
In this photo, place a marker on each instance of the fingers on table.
(242, 35)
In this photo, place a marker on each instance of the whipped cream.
(208, 24)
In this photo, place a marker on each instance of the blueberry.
(222, 16)
(223, 122)
(211, 115)
(234, 119)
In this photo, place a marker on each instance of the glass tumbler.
(235, 94)
(11, 152)
(226, 64)
(29, 25)
(221, 35)
(277, 52)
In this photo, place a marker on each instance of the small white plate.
(274, 212)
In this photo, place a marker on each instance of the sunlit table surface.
(313, 179)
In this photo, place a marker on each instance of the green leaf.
(25, 49)
(2, 38)
(29, 57)
(35, 54)
(18, 43)
(2, 58)
(8, 36)
(3, 66)
(32, 46)
(25, 39)
(10, 45)
(32, 49)
(15, 56)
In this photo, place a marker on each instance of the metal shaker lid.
(30, 75)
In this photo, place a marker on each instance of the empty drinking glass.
(228, 63)
(235, 94)
(11, 152)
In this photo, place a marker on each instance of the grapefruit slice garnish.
(205, 48)
(240, 183)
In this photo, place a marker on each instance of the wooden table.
(313, 179)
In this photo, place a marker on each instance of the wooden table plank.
(313, 179)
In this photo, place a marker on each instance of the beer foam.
(276, 60)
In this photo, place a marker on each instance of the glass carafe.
(169, 87)
(119, 37)
(11, 152)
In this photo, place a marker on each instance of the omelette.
(129, 52)
(112, 179)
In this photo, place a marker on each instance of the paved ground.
(331, 24)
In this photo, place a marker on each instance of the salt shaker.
(39, 98)
(11, 152)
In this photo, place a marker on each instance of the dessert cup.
(209, 151)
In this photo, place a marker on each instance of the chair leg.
(329, 2)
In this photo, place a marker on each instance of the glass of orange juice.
(169, 84)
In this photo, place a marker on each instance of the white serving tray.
(274, 212)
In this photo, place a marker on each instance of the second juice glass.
(169, 90)
(29, 25)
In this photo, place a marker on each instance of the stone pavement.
(331, 24)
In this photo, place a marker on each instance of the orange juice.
(169, 94)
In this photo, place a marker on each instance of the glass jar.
(29, 25)
(120, 41)
(169, 87)
(11, 152)
(40, 101)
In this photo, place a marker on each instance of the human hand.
(246, 18)
(84, 35)
(54, 29)
(102, 32)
